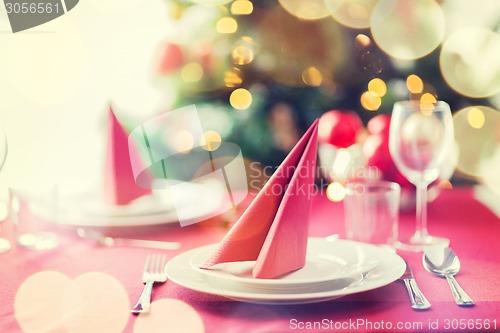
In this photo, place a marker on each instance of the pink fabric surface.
(473, 229)
(273, 230)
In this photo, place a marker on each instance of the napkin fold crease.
(273, 230)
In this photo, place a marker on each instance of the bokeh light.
(248, 39)
(428, 98)
(377, 87)
(312, 77)
(408, 29)
(335, 192)
(99, 303)
(183, 141)
(240, 99)
(414, 84)
(210, 140)
(476, 118)
(242, 55)
(477, 145)
(226, 25)
(37, 306)
(445, 184)
(306, 9)
(233, 77)
(192, 72)
(241, 7)
(363, 40)
(49, 301)
(172, 314)
(427, 102)
(370, 101)
(352, 13)
(470, 62)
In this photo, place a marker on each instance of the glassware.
(372, 212)
(5, 244)
(34, 213)
(420, 137)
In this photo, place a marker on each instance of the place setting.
(117, 206)
(119, 201)
(267, 256)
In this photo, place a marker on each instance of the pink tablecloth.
(473, 229)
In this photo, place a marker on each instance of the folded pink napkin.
(119, 182)
(274, 228)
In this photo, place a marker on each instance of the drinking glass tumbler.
(372, 212)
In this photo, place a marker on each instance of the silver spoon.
(442, 261)
(110, 241)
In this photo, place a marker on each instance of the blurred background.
(259, 73)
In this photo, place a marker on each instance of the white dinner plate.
(389, 268)
(88, 210)
(321, 266)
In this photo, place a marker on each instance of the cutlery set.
(443, 262)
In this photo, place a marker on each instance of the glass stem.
(421, 231)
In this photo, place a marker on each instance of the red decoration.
(379, 124)
(171, 58)
(376, 151)
(339, 128)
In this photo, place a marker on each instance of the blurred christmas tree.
(261, 71)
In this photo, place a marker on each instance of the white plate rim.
(159, 217)
(180, 264)
(313, 250)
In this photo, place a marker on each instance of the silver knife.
(101, 239)
(418, 300)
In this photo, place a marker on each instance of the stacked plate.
(333, 269)
(88, 209)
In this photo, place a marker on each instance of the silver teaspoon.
(442, 261)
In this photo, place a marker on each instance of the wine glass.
(420, 137)
(5, 244)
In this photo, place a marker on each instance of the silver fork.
(154, 271)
